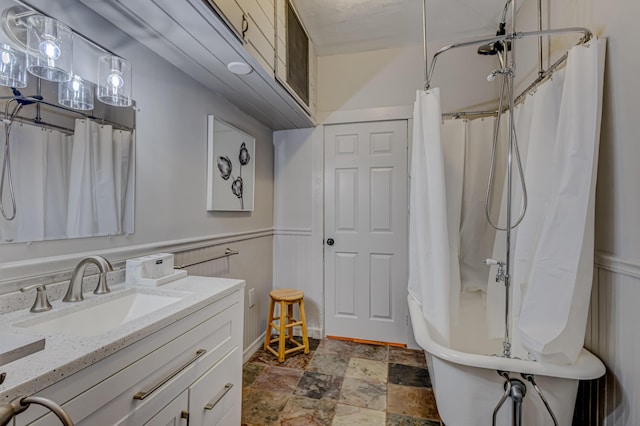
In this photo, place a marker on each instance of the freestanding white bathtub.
(467, 386)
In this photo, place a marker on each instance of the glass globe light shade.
(49, 48)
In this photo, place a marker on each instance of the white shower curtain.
(558, 287)
(100, 175)
(432, 256)
(39, 160)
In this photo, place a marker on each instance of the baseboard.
(253, 348)
(368, 342)
(314, 333)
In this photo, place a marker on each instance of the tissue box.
(163, 265)
(152, 266)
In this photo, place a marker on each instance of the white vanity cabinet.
(188, 372)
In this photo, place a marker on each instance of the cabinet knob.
(330, 241)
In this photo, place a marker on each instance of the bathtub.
(467, 386)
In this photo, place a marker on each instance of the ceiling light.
(240, 68)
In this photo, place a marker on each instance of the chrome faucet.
(74, 291)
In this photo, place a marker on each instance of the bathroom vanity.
(175, 356)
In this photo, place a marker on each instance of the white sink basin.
(102, 314)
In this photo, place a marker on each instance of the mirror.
(230, 167)
(67, 173)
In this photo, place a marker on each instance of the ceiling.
(347, 26)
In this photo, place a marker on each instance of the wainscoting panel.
(296, 259)
(613, 333)
(254, 264)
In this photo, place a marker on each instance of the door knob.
(330, 241)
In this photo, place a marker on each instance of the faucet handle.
(41, 304)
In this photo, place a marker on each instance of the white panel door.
(366, 230)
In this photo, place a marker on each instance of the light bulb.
(7, 58)
(115, 80)
(50, 49)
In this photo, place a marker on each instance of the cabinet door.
(231, 12)
(215, 398)
(174, 414)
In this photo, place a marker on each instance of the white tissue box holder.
(153, 270)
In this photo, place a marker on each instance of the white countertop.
(65, 355)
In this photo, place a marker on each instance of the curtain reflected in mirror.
(72, 176)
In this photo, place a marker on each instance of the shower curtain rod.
(31, 100)
(468, 114)
(543, 75)
(41, 123)
(587, 35)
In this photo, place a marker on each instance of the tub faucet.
(501, 274)
(74, 291)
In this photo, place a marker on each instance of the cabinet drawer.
(171, 415)
(217, 393)
(111, 401)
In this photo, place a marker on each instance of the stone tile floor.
(339, 383)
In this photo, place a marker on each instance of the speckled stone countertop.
(65, 355)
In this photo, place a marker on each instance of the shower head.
(493, 48)
(487, 49)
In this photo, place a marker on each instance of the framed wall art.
(230, 167)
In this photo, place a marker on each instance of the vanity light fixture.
(114, 81)
(49, 55)
(49, 48)
(76, 93)
(13, 67)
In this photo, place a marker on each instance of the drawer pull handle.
(143, 394)
(221, 395)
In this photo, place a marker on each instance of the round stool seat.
(286, 294)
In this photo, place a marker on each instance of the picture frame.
(230, 167)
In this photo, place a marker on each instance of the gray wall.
(171, 158)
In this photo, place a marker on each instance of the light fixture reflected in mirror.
(76, 93)
(50, 48)
(13, 67)
(114, 81)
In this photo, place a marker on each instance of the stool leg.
(289, 321)
(267, 336)
(303, 318)
(283, 323)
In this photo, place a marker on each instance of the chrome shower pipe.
(506, 344)
(424, 44)
(503, 19)
(516, 390)
(540, 67)
(531, 379)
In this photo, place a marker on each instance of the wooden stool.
(286, 298)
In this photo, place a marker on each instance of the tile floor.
(339, 383)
